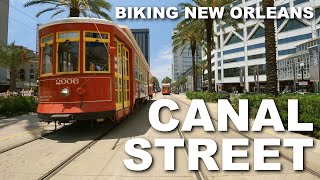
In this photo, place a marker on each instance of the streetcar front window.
(68, 57)
(68, 52)
(96, 52)
(97, 56)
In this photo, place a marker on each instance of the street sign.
(303, 83)
(314, 63)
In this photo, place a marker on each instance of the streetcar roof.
(127, 31)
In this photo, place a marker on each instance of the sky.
(22, 29)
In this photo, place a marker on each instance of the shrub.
(15, 105)
(207, 97)
(309, 111)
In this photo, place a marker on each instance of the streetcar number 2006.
(67, 81)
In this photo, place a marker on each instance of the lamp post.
(302, 69)
(177, 81)
(294, 74)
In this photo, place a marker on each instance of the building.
(182, 61)
(4, 15)
(142, 37)
(243, 50)
(188, 86)
(300, 71)
(27, 75)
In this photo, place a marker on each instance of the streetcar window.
(68, 56)
(68, 35)
(47, 39)
(97, 56)
(96, 35)
(46, 59)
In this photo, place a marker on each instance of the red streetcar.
(166, 89)
(89, 69)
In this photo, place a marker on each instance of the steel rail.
(55, 170)
(314, 172)
(198, 174)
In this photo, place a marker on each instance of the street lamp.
(177, 81)
(302, 69)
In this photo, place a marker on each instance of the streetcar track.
(198, 174)
(42, 135)
(68, 160)
(54, 171)
(286, 157)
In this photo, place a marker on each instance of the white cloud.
(161, 71)
(161, 65)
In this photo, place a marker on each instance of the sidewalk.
(19, 129)
(311, 156)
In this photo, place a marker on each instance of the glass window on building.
(31, 73)
(259, 33)
(317, 13)
(286, 5)
(249, 29)
(262, 69)
(237, 3)
(240, 31)
(22, 74)
(234, 39)
(256, 56)
(292, 25)
(280, 21)
(238, 59)
(296, 2)
(232, 72)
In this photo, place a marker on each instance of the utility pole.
(294, 74)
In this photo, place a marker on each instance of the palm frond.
(78, 7)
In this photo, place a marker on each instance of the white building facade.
(245, 48)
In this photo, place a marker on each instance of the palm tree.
(75, 7)
(208, 23)
(12, 57)
(201, 67)
(188, 33)
(166, 80)
(271, 50)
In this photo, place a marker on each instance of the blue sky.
(22, 29)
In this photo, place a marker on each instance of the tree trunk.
(193, 52)
(209, 26)
(271, 56)
(74, 12)
(13, 77)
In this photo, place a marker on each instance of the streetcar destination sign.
(226, 114)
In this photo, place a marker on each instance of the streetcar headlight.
(65, 92)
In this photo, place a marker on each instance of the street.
(104, 159)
